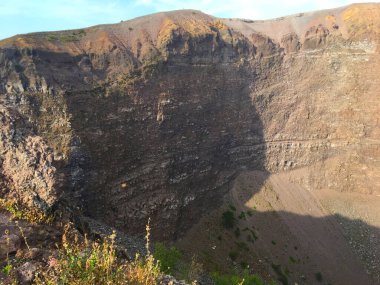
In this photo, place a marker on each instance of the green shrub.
(66, 36)
(232, 279)
(243, 264)
(242, 245)
(225, 279)
(293, 260)
(7, 269)
(237, 232)
(318, 276)
(168, 257)
(233, 255)
(250, 239)
(281, 276)
(20, 212)
(52, 38)
(228, 219)
(242, 216)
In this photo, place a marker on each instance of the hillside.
(166, 116)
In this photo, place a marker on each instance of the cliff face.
(154, 117)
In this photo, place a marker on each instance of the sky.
(25, 16)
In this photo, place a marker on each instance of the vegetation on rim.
(79, 260)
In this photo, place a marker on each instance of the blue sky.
(24, 16)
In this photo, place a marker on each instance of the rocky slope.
(156, 116)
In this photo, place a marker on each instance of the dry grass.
(88, 263)
(20, 212)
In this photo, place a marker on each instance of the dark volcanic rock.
(155, 116)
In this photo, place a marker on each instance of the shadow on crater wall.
(295, 232)
(169, 148)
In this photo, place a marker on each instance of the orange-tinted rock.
(175, 104)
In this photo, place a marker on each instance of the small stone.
(9, 243)
(26, 272)
(33, 253)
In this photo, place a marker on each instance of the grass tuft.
(20, 212)
(87, 263)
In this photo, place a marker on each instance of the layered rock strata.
(154, 117)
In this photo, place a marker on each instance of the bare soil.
(299, 236)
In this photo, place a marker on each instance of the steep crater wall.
(154, 118)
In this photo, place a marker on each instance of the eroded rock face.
(316, 37)
(26, 163)
(291, 43)
(155, 116)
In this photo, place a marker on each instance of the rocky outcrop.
(154, 117)
(26, 163)
(9, 243)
